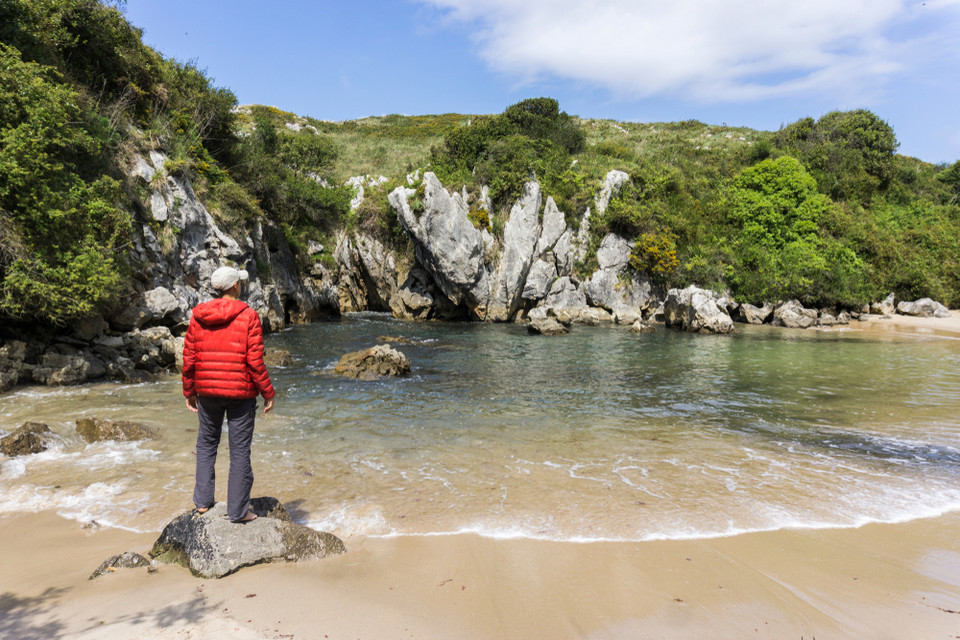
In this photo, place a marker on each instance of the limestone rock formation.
(367, 272)
(212, 547)
(793, 316)
(695, 309)
(520, 237)
(30, 437)
(447, 244)
(376, 362)
(887, 307)
(923, 308)
(96, 429)
(641, 327)
(751, 314)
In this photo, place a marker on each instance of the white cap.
(225, 277)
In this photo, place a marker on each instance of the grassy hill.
(823, 210)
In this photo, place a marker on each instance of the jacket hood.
(219, 311)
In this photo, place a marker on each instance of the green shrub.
(655, 254)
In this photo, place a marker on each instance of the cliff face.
(501, 280)
(458, 272)
(179, 245)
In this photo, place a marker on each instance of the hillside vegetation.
(823, 210)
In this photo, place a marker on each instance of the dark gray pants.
(240, 418)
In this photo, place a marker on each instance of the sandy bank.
(879, 581)
(910, 326)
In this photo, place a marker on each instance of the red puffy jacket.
(223, 352)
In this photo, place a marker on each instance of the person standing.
(223, 373)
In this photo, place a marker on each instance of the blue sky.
(753, 63)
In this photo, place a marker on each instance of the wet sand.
(878, 581)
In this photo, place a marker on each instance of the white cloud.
(712, 50)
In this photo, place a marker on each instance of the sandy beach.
(876, 581)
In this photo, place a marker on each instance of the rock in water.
(95, 430)
(751, 314)
(29, 438)
(127, 560)
(375, 362)
(695, 309)
(277, 358)
(793, 316)
(211, 546)
(640, 327)
(548, 326)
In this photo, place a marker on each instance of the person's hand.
(192, 403)
(268, 405)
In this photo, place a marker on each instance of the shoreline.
(877, 581)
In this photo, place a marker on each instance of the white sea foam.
(104, 502)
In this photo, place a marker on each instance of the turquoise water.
(600, 434)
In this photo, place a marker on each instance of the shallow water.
(600, 434)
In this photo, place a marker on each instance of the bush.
(655, 254)
(850, 153)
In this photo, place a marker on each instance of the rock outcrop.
(96, 430)
(212, 547)
(751, 314)
(695, 309)
(794, 316)
(30, 437)
(923, 308)
(126, 560)
(531, 266)
(887, 307)
(447, 245)
(376, 362)
(544, 323)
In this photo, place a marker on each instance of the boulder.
(541, 277)
(750, 314)
(826, 318)
(793, 316)
(127, 560)
(695, 309)
(887, 307)
(622, 314)
(211, 546)
(594, 316)
(96, 429)
(56, 369)
(160, 304)
(640, 327)
(614, 253)
(28, 438)
(12, 355)
(277, 358)
(547, 326)
(923, 308)
(375, 362)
